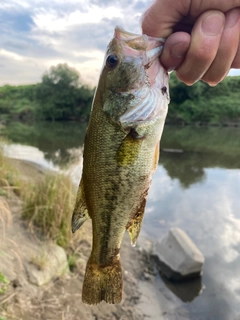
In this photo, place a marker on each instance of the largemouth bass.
(121, 151)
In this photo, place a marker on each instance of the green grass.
(49, 206)
(3, 283)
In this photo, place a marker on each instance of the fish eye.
(112, 61)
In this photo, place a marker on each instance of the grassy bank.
(47, 202)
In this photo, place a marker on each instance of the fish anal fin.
(102, 283)
(80, 212)
(135, 224)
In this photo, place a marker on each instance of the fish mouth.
(145, 47)
(151, 96)
(151, 46)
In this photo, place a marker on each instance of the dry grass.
(9, 177)
(7, 183)
(40, 260)
(49, 206)
(5, 217)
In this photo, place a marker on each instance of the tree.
(58, 93)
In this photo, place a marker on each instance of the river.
(196, 187)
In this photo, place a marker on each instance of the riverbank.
(61, 297)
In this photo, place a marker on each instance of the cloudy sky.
(37, 34)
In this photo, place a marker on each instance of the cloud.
(36, 34)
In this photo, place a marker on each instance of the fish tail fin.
(102, 283)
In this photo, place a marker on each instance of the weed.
(49, 206)
(3, 193)
(3, 283)
(72, 262)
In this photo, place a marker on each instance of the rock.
(178, 256)
(48, 263)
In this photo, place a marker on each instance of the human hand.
(202, 37)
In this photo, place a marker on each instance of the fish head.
(132, 79)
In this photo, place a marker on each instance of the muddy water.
(196, 187)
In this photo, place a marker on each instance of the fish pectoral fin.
(135, 224)
(128, 151)
(80, 212)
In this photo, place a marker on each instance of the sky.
(38, 34)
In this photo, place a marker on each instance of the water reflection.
(57, 140)
(189, 167)
(186, 166)
(208, 211)
(29, 153)
(186, 290)
(212, 140)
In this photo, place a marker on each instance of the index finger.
(163, 15)
(160, 18)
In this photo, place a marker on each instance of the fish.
(121, 152)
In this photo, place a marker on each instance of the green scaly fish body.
(121, 152)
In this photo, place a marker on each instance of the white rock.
(54, 263)
(179, 253)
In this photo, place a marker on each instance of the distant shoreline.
(4, 123)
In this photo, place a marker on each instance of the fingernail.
(178, 50)
(213, 24)
(232, 18)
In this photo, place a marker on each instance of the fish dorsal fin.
(80, 212)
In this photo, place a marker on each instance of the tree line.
(61, 96)
(203, 104)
